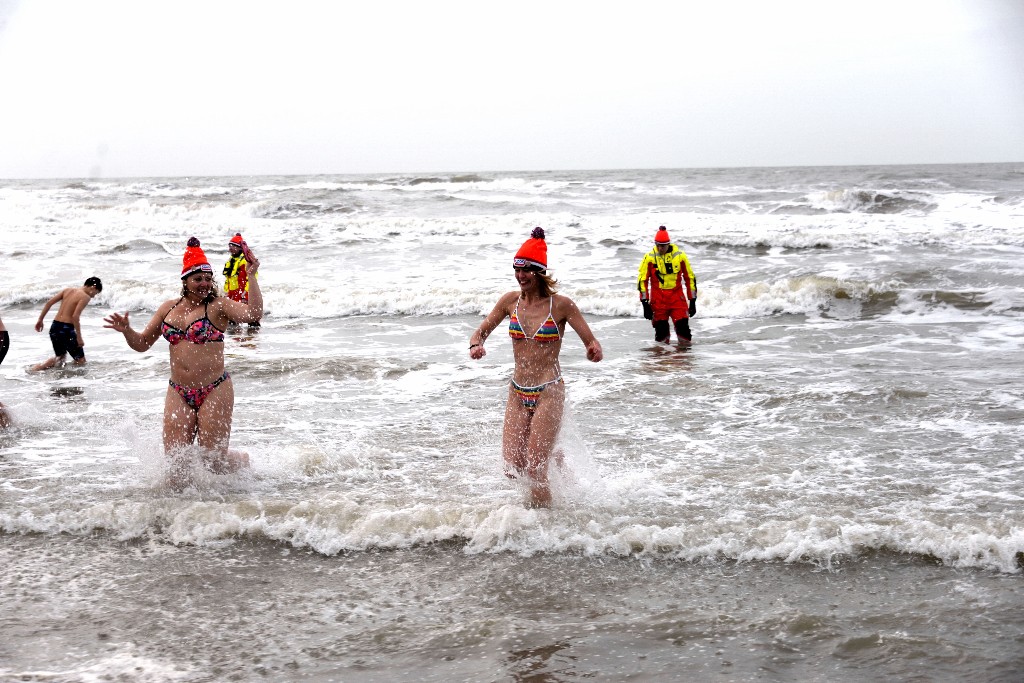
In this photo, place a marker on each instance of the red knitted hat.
(534, 252)
(194, 259)
(661, 237)
(236, 240)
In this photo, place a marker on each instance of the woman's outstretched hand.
(117, 322)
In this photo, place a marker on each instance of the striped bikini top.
(547, 332)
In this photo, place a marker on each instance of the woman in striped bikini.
(200, 398)
(537, 318)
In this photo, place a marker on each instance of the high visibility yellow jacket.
(667, 272)
(236, 279)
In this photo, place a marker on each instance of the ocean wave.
(340, 524)
(346, 369)
(803, 295)
(811, 294)
(436, 180)
(172, 189)
(138, 245)
(841, 298)
(871, 201)
(496, 210)
(301, 210)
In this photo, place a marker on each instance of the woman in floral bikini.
(200, 396)
(537, 318)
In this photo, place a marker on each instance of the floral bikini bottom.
(194, 396)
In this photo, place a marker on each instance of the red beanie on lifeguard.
(534, 252)
(194, 259)
(236, 240)
(661, 237)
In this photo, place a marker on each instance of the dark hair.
(94, 282)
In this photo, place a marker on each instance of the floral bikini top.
(547, 332)
(197, 332)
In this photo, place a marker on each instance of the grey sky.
(126, 88)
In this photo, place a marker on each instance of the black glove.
(648, 311)
(693, 307)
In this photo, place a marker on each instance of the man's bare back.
(72, 301)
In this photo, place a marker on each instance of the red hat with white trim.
(534, 252)
(194, 259)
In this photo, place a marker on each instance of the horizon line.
(458, 173)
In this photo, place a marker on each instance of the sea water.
(826, 485)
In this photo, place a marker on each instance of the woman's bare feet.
(540, 495)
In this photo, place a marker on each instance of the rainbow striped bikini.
(547, 332)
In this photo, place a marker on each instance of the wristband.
(473, 346)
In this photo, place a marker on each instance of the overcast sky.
(111, 88)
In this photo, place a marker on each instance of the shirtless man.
(66, 330)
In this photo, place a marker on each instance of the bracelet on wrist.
(473, 346)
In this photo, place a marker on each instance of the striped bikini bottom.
(528, 395)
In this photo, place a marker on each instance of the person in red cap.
(668, 288)
(236, 275)
(200, 397)
(537, 319)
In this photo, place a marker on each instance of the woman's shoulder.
(508, 298)
(562, 305)
(166, 306)
(559, 300)
(216, 305)
(161, 312)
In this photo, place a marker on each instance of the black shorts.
(64, 340)
(5, 343)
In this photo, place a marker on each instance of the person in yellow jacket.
(668, 288)
(236, 277)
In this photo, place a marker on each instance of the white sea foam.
(126, 662)
(335, 525)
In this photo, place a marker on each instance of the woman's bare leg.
(515, 435)
(543, 431)
(214, 435)
(180, 423)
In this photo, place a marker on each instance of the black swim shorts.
(64, 340)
